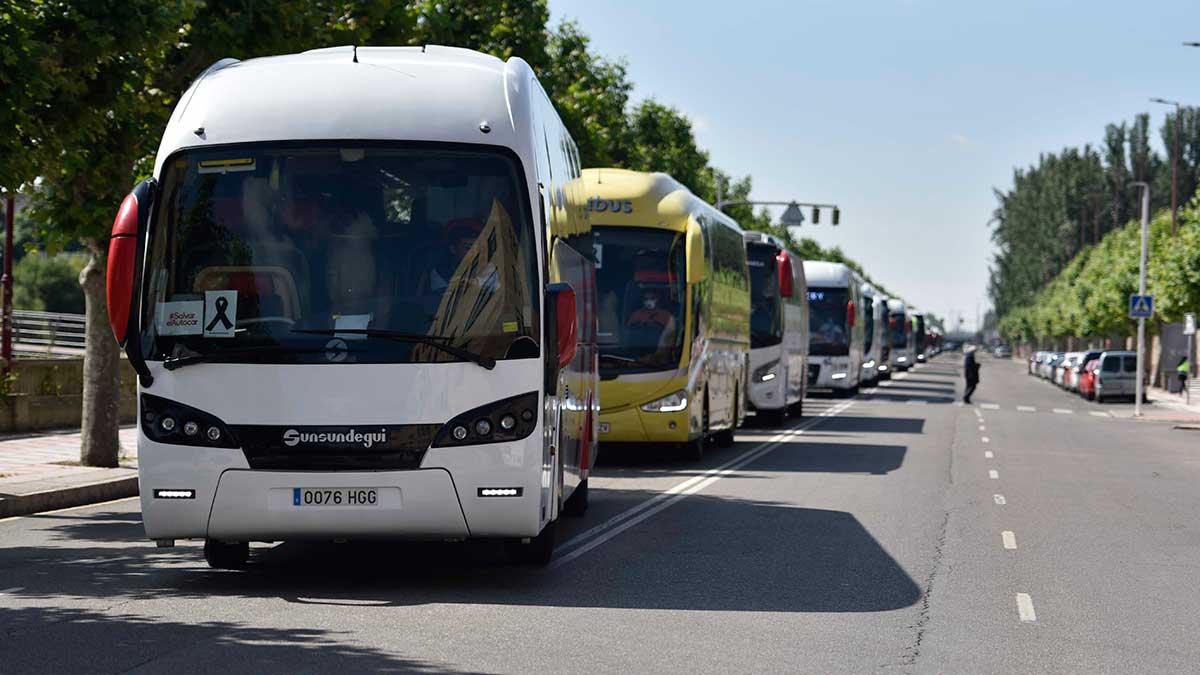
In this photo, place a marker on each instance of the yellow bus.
(673, 296)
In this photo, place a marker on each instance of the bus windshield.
(641, 294)
(899, 337)
(766, 306)
(829, 332)
(270, 250)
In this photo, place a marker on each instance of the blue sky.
(907, 114)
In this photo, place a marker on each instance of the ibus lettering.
(599, 205)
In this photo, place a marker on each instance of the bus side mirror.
(786, 277)
(561, 331)
(696, 268)
(123, 276)
(851, 312)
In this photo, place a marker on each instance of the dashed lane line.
(1026, 408)
(990, 406)
(1009, 539)
(1099, 413)
(1025, 608)
(595, 536)
(982, 428)
(916, 401)
(985, 439)
(993, 474)
(988, 455)
(999, 499)
(1063, 411)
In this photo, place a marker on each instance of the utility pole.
(1174, 161)
(1141, 336)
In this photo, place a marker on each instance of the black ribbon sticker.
(221, 304)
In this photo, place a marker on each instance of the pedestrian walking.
(1182, 371)
(971, 373)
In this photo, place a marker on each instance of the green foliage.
(49, 283)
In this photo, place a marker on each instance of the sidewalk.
(1164, 406)
(41, 472)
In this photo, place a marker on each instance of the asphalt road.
(868, 536)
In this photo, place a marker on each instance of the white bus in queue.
(778, 328)
(875, 346)
(836, 332)
(900, 333)
(359, 295)
(920, 340)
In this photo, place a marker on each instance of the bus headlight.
(765, 372)
(166, 421)
(838, 376)
(670, 403)
(509, 419)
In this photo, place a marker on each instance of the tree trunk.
(101, 372)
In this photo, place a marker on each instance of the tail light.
(785, 274)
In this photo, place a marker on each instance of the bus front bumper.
(633, 425)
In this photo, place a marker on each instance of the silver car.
(1116, 375)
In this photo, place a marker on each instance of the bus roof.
(355, 93)
(896, 305)
(644, 199)
(822, 273)
(756, 237)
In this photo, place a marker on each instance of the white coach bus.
(836, 332)
(778, 328)
(900, 336)
(875, 348)
(359, 292)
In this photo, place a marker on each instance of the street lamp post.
(1174, 159)
(1141, 338)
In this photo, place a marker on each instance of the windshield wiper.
(175, 362)
(614, 357)
(400, 336)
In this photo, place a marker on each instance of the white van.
(778, 328)
(836, 334)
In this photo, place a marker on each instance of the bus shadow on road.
(927, 398)
(867, 424)
(704, 553)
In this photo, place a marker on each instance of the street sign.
(792, 216)
(1141, 306)
(1189, 324)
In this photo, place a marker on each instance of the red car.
(1087, 379)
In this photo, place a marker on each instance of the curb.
(80, 495)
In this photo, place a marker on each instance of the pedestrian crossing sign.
(1141, 306)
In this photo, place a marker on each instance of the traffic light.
(816, 216)
(837, 215)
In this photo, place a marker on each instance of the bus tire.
(226, 555)
(577, 503)
(724, 437)
(694, 449)
(536, 552)
(796, 409)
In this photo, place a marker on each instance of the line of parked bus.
(370, 292)
(1096, 375)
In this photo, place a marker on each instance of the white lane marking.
(1025, 608)
(14, 589)
(1010, 540)
(595, 536)
(915, 401)
(1064, 411)
(982, 428)
(990, 406)
(1099, 413)
(999, 499)
(959, 404)
(993, 474)
(988, 455)
(886, 384)
(1026, 408)
(985, 439)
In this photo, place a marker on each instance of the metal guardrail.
(47, 330)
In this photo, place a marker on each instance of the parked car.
(1003, 352)
(1087, 379)
(1063, 366)
(1116, 376)
(1072, 377)
(1046, 371)
(1035, 362)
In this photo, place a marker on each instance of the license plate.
(604, 427)
(333, 497)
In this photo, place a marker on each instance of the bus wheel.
(537, 551)
(226, 555)
(577, 503)
(694, 449)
